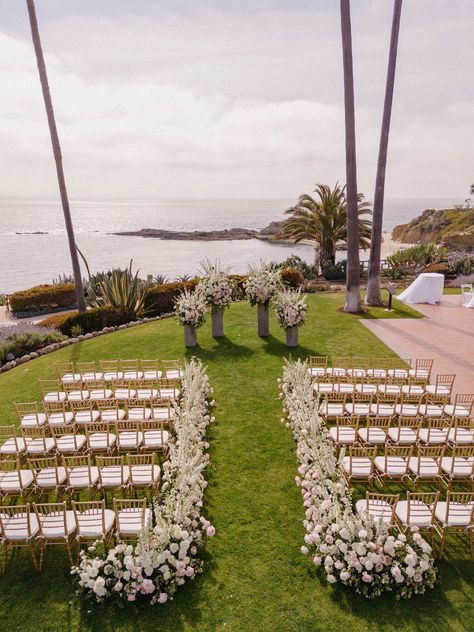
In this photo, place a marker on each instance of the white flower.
(99, 587)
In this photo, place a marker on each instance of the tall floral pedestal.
(217, 315)
(263, 320)
(190, 337)
(292, 337)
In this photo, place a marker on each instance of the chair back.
(459, 506)
(52, 515)
(15, 520)
(28, 409)
(89, 515)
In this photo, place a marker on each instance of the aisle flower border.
(167, 552)
(354, 550)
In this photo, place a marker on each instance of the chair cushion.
(114, 475)
(432, 389)
(382, 410)
(413, 389)
(424, 467)
(129, 439)
(83, 417)
(161, 413)
(420, 514)
(418, 373)
(70, 377)
(395, 466)
(457, 467)
(81, 477)
(124, 393)
(391, 389)
(129, 521)
(377, 373)
(16, 527)
(146, 393)
(359, 408)
(50, 477)
(139, 414)
(12, 446)
(433, 436)
(461, 435)
(407, 410)
(53, 527)
(132, 375)
(144, 474)
(13, 481)
(317, 370)
(331, 409)
(33, 421)
(343, 434)
(69, 443)
(323, 387)
(112, 415)
(169, 393)
(400, 373)
(39, 445)
(174, 374)
(361, 467)
(152, 374)
(101, 440)
(369, 389)
(100, 393)
(373, 435)
(60, 419)
(155, 439)
(459, 514)
(456, 410)
(430, 410)
(113, 375)
(90, 523)
(402, 435)
(55, 397)
(380, 510)
(77, 396)
(92, 376)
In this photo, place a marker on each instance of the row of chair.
(371, 367)
(408, 464)
(105, 437)
(112, 370)
(40, 525)
(424, 511)
(72, 475)
(30, 415)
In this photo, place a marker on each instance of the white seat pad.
(132, 375)
(112, 415)
(375, 436)
(359, 408)
(391, 389)
(413, 389)
(343, 434)
(155, 439)
(396, 465)
(152, 374)
(323, 387)
(331, 409)
(33, 421)
(407, 410)
(458, 467)
(423, 467)
(430, 410)
(53, 527)
(146, 393)
(377, 373)
(139, 414)
(459, 514)
(87, 416)
(77, 396)
(14, 481)
(55, 397)
(69, 443)
(433, 435)
(39, 445)
(369, 389)
(420, 514)
(90, 523)
(382, 410)
(169, 393)
(461, 435)
(361, 467)
(456, 411)
(101, 440)
(100, 393)
(400, 373)
(50, 477)
(174, 374)
(124, 393)
(130, 439)
(161, 413)
(402, 436)
(144, 474)
(129, 521)
(60, 419)
(110, 475)
(432, 389)
(82, 477)
(92, 376)
(16, 527)
(317, 370)
(113, 375)
(380, 510)
(12, 446)
(70, 377)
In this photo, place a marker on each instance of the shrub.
(414, 259)
(440, 268)
(160, 299)
(96, 319)
(292, 277)
(336, 271)
(461, 264)
(56, 320)
(43, 298)
(20, 344)
(308, 271)
(314, 286)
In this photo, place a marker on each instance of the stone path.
(446, 335)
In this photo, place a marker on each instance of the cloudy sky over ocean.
(216, 99)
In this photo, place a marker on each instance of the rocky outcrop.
(269, 233)
(453, 228)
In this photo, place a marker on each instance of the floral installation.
(191, 308)
(262, 285)
(354, 550)
(216, 287)
(290, 308)
(166, 553)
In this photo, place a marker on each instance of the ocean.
(28, 259)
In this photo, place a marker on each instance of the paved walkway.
(446, 335)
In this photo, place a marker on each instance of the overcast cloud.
(233, 99)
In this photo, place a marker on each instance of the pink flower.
(131, 597)
(148, 586)
(366, 578)
(189, 571)
(211, 531)
(163, 598)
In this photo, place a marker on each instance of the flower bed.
(167, 552)
(353, 550)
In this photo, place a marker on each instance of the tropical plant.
(414, 259)
(160, 279)
(323, 221)
(63, 278)
(373, 296)
(81, 304)
(121, 289)
(183, 278)
(352, 302)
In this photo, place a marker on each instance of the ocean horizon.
(33, 247)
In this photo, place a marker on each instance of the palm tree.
(373, 284)
(352, 303)
(81, 304)
(324, 222)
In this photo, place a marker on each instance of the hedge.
(56, 320)
(160, 298)
(43, 298)
(96, 319)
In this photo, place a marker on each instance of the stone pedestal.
(217, 315)
(263, 320)
(292, 337)
(190, 337)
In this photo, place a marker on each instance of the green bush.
(43, 298)
(336, 271)
(292, 277)
(307, 270)
(20, 344)
(160, 298)
(461, 264)
(414, 259)
(56, 320)
(96, 319)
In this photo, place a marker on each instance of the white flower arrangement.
(166, 554)
(354, 550)
(290, 308)
(262, 285)
(191, 308)
(216, 287)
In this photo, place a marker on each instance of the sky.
(233, 99)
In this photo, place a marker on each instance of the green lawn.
(255, 578)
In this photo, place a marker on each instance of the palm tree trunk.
(373, 285)
(352, 303)
(81, 305)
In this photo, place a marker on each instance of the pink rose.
(366, 578)
(211, 531)
(163, 598)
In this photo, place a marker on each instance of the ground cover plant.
(255, 576)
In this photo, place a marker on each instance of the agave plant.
(124, 290)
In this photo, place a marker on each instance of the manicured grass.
(255, 578)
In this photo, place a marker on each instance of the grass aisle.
(255, 577)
